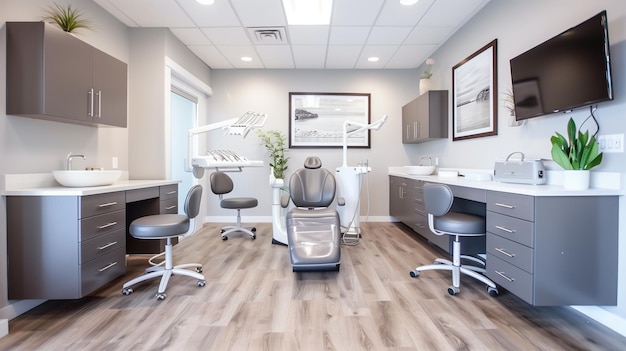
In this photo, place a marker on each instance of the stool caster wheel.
(224, 238)
(414, 274)
(493, 292)
(199, 269)
(453, 290)
(161, 296)
(201, 283)
(253, 229)
(253, 237)
(127, 291)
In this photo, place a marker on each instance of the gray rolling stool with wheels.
(438, 200)
(222, 184)
(168, 226)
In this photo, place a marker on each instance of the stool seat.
(461, 223)
(239, 202)
(159, 226)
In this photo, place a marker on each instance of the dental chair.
(168, 226)
(438, 199)
(313, 229)
(222, 184)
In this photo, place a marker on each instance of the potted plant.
(68, 18)
(425, 77)
(274, 142)
(577, 154)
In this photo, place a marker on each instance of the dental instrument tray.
(520, 171)
(224, 159)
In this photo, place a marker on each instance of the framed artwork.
(316, 119)
(474, 95)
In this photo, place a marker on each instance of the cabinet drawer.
(102, 270)
(97, 225)
(102, 245)
(511, 252)
(169, 206)
(168, 191)
(520, 206)
(420, 223)
(93, 205)
(511, 278)
(142, 194)
(515, 229)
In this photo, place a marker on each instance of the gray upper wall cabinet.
(425, 117)
(55, 76)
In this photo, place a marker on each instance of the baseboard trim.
(604, 317)
(17, 307)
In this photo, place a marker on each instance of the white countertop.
(44, 185)
(611, 179)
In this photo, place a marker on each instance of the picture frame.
(316, 119)
(474, 95)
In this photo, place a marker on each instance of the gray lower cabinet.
(554, 251)
(55, 76)
(64, 247)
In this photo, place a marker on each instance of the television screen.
(568, 71)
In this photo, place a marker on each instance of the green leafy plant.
(274, 141)
(578, 152)
(68, 18)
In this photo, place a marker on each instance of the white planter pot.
(576, 180)
(424, 85)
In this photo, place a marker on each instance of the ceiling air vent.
(268, 35)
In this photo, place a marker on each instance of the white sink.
(419, 170)
(80, 178)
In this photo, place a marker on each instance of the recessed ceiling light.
(309, 12)
(408, 2)
(246, 58)
(205, 2)
(373, 59)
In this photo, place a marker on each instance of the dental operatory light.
(408, 2)
(373, 59)
(246, 58)
(205, 2)
(309, 12)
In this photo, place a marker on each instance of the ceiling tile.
(276, 56)
(384, 53)
(260, 13)
(235, 36)
(154, 13)
(309, 56)
(234, 54)
(211, 56)
(340, 35)
(220, 14)
(428, 35)
(396, 14)
(344, 57)
(190, 36)
(410, 56)
(355, 12)
(388, 35)
(451, 13)
(308, 35)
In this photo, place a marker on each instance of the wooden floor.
(253, 301)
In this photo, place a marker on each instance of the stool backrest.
(438, 199)
(221, 183)
(192, 202)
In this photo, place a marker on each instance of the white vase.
(576, 179)
(424, 85)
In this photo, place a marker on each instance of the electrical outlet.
(611, 143)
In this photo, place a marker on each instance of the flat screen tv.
(571, 70)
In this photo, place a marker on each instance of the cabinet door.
(409, 122)
(109, 83)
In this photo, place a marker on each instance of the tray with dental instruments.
(224, 158)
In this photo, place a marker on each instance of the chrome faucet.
(430, 161)
(69, 160)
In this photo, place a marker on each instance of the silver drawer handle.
(171, 192)
(107, 245)
(107, 266)
(505, 229)
(108, 204)
(504, 276)
(505, 253)
(504, 205)
(107, 225)
(170, 207)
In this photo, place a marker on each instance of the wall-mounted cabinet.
(425, 118)
(55, 76)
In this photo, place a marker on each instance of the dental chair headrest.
(312, 162)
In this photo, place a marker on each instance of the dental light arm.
(235, 126)
(362, 127)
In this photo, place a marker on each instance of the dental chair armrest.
(341, 201)
(284, 201)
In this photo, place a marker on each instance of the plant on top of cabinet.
(67, 17)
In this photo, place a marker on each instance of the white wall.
(518, 26)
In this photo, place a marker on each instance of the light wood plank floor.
(253, 301)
